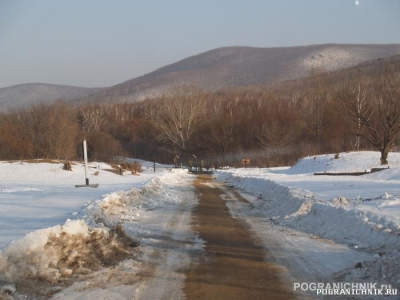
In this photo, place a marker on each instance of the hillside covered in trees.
(211, 71)
(358, 108)
(241, 66)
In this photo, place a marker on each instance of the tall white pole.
(85, 159)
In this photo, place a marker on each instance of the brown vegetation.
(270, 126)
(42, 131)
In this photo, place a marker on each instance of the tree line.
(221, 128)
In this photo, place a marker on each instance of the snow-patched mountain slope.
(241, 66)
(23, 95)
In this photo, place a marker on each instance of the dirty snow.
(335, 228)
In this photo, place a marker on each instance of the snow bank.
(297, 199)
(135, 204)
(59, 252)
(342, 162)
(302, 210)
(42, 195)
(104, 237)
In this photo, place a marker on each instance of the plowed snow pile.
(53, 255)
(100, 254)
(50, 253)
(362, 212)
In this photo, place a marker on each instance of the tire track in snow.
(171, 253)
(307, 259)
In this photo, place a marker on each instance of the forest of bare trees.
(218, 128)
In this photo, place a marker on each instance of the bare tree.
(280, 127)
(221, 118)
(54, 130)
(353, 98)
(15, 135)
(92, 117)
(379, 113)
(314, 108)
(179, 116)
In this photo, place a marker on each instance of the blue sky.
(100, 43)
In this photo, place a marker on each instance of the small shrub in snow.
(67, 166)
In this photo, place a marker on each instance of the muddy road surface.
(233, 265)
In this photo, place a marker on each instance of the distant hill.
(371, 69)
(242, 66)
(228, 67)
(25, 94)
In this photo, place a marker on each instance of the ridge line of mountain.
(212, 70)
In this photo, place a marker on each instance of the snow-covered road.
(141, 242)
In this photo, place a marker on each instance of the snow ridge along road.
(156, 217)
(304, 257)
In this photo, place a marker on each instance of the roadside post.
(86, 169)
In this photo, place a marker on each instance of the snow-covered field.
(82, 242)
(35, 196)
(361, 212)
(57, 233)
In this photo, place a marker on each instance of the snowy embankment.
(113, 236)
(362, 212)
(40, 195)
